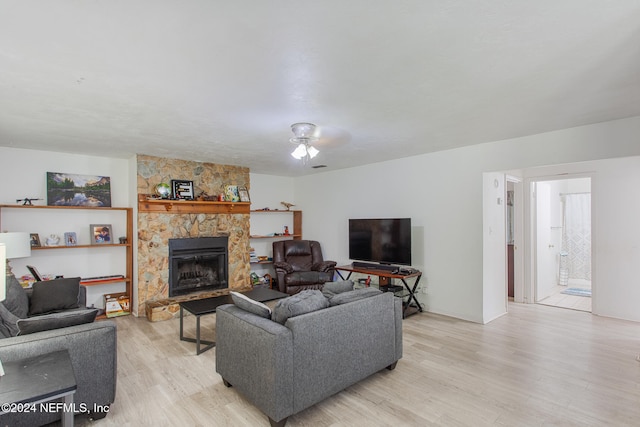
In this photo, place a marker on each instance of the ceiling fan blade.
(329, 136)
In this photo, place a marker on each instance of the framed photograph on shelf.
(70, 238)
(35, 240)
(231, 193)
(243, 193)
(100, 234)
(182, 189)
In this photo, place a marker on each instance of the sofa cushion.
(355, 295)
(17, 301)
(252, 306)
(54, 295)
(47, 322)
(303, 278)
(330, 289)
(301, 303)
(8, 322)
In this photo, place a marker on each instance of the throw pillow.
(354, 295)
(8, 322)
(252, 306)
(330, 289)
(54, 295)
(301, 303)
(17, 301)
(56, 321)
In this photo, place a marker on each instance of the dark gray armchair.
(299, 265)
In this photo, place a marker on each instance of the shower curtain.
(576, 237)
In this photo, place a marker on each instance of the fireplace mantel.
(190, 206)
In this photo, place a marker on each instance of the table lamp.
(17, 245)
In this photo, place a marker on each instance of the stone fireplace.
(156, 229)
(197, 264)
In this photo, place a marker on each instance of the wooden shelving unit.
(297, 229)
(297, 225)
(128, 275)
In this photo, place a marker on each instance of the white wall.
(23, 174)
(443, 194)
(494, 246)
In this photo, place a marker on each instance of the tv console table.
(385, 277)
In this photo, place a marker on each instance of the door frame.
(518, 237)
(529, 287)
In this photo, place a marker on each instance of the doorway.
(562, 242)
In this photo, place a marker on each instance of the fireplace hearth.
(198, 264)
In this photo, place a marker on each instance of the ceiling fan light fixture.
(304, 136)
(299, 152)
(312, 151)
(304, 131)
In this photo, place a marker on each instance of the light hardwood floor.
(574, 302)
(535, 366)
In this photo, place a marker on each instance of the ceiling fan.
(304, 135)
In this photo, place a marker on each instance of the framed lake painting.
(65, 189)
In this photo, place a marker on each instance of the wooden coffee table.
(200, 307)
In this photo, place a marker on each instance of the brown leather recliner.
(299, 265)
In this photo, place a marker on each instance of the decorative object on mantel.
(163, 190)
(65, 189)
(181, 189)
(204, 197)
(244, 194)
(26, 201)
(287, 205)
(231, 193)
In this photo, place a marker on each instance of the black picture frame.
(182, 189)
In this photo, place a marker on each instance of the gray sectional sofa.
(91, 346)
(286, 366)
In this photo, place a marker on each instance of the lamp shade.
(3, 272)
(17, 244)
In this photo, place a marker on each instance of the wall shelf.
(190, 206)
(128, 247)
(40, 248)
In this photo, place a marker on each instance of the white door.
(546, 249)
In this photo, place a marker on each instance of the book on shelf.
(101, 278)
(253, 257)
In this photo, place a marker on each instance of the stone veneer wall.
(155, 230)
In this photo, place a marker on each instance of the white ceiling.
(222, 81)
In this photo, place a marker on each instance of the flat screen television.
(381, 240)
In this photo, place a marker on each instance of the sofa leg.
(100, 413)
(392, 366)
(226, 383)
(280, 423)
